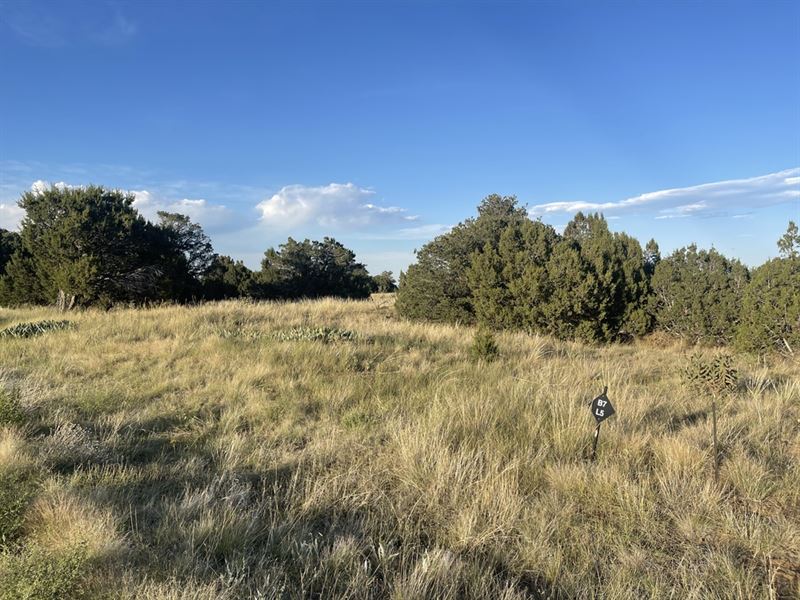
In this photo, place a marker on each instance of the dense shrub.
(384, 283)
(36, 574)
(9, 244)
(484, 346)
(437, 286)
(312, 269)
(770, 318)
(597, 284)
(89, 245)
(506, 271)
(697, 295)
(508, 282)
(227, 278)
(11, 412)
(81, 246)
(16, 490)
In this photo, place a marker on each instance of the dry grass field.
(235, 450)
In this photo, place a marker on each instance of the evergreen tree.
(770, 319)
(190, 239)
(9, 243)
(226, 278)
(652, 256)
(87, 245)
(770, 315)
(437, 286)
(384, 283)
(789, 244)
(312, 269)
(597, 282)
(697, 295)
(509, 283)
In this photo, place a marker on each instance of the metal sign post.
(601, 409)
(714, 434)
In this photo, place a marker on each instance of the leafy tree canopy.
(697, 295)
(384, 282)
(311, 269)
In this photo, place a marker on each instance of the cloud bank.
(721, 198)
(336, 205)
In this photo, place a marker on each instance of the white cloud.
(200, 211)
(39, 186)
(342, 205)
(10, 215)
(708, 199)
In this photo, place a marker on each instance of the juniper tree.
(227, 278)
(509, 283)
(597, 282)
(770, 317)
(9, 243)
(789, 244)
(311, 269)
(437, 286)
(87, 244)
(697, 295)
(384, 283)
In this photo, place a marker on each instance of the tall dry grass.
(190, 452)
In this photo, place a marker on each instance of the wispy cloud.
(420, 232)
(54, 26)
(336, 205)
(721, 198)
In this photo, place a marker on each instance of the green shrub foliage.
(597, 283)
(227, 278)
(82, 246)
(437, 286)
(384, 283)
(312, 269)
(484, 347)
(88, 245)
(505, 270)
(770, 320)
(697, 295)
(9, 244)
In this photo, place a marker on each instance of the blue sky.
(383, 123)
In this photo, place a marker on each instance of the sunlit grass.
(232, 450)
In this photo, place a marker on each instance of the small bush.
(26, 330)
(38, 575)
(484, 346)
(11, 412)
(16, 490)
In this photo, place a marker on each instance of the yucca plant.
(26, 330)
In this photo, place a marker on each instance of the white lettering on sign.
(602, 408)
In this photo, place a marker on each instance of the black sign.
(601, 408)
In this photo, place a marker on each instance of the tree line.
(87, 246)
(504, 270)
